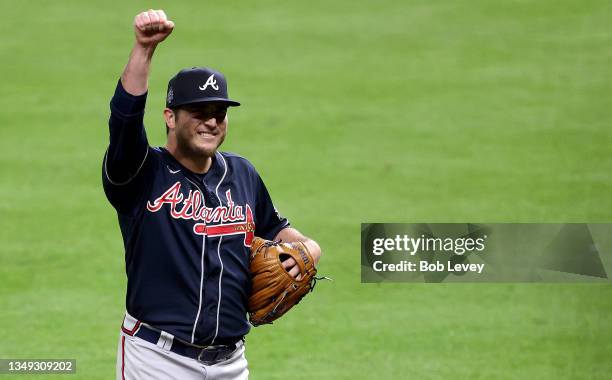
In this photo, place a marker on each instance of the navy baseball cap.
(197, 85)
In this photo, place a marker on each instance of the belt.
(207, 355)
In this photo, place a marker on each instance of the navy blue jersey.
(186, 235)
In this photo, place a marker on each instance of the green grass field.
(380, 111)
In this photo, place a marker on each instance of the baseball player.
(188, 214)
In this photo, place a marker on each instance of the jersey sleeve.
(269, 220)
(125, 160)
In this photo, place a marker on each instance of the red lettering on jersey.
(247, 228)
(172, 196)
(231, 218)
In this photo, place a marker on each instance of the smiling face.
(198, 129)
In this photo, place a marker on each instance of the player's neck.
(199, 164)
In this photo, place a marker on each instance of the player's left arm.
(290, 234)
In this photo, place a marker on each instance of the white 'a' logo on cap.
(211, 81)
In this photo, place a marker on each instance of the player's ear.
(170, 117)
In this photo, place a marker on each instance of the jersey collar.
(212, 175)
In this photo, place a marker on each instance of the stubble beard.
(191, 150)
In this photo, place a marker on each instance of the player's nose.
(210, 122)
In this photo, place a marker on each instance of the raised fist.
(152, 27)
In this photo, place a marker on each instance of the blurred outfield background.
(380, 111)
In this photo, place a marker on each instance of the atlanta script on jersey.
(186, 235)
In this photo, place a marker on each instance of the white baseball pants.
(138, 359)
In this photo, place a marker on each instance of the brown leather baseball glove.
(274, 291)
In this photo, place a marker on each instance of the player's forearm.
(135, 76)
(150, 28)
